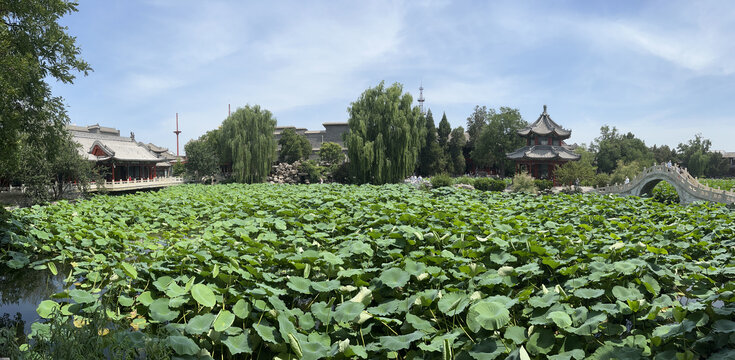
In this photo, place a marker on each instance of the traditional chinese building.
(123, 157)
(545, 149)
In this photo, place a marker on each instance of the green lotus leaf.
(453, 303)
(297, 283)
(203, 295)
(420, 324)
(625, 267)
(241, 309)
(395, 343)
(623, 293)
(145, 298)
(159, 310)
(285, 326)
(129, 270)
(577, 354)
(561, 319)
(238, 344)
(724, 326)
(46, 308)
(487, 349)
(182, 345)
(267, 333)
(541, 341)
(200, 324)
(325, 286)
(517, 334)
(348, 311)
(223, 320)
(394, 277)
(125, 301)
(487, 315)
(588, 293)
(414, 268)
(82, 296)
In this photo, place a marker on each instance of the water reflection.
(21, 290)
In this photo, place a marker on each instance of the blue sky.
(663, 70)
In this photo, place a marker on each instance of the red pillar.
(112, 166)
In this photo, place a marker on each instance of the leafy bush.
(543, 185)
(489, 184)
(342, 174)
(441, 180)
(465, 180)
(523, 182)
(312, 169)
(602, 179)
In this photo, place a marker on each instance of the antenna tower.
(421, 98)
(177, 132)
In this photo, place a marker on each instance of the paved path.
(688, 188)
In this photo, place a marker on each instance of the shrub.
(312, 169)
(489, 184)
(464, 180)
(543, 185)
(342, 174)
(602, 179)
(523, 182)
(441, 180)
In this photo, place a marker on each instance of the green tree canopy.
(611, 147)
(294, 147)
(696, 156)
(247, 141)
(457, 142)
(664, 153)
(476, 122)
(430, 156)
(33, 48)
(443, 132)
(583, 169)
(386, 134)
(201, 157)
(498, 137)
(331, 153)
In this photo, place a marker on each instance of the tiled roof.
(115, 146)
(544, 152)
(545, 126)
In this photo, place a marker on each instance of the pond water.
(21, 290)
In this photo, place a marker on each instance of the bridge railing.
(685, 180)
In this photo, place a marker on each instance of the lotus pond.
(388, 272)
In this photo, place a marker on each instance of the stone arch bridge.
(688, 188)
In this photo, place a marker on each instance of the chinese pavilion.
(545, 148)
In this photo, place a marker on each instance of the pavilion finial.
(544, 109)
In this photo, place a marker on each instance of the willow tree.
(247, 140)
(386, 134)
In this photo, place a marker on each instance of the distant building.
(545, 149)
(125, 158)
(333, 132)
(730, 157)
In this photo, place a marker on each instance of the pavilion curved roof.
(545, 126)
(544, 152)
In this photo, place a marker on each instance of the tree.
(430, 156)
(331, 153)
(294, 147)
(696, 156)
(443, 132)
(457, 142)
(612, 147)
(33, 48)
(497, 138)
(386, 134)
(246, 140)
(201, 158)
(582, 170)
(52, 170)
(663, 154)
(476, 122)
